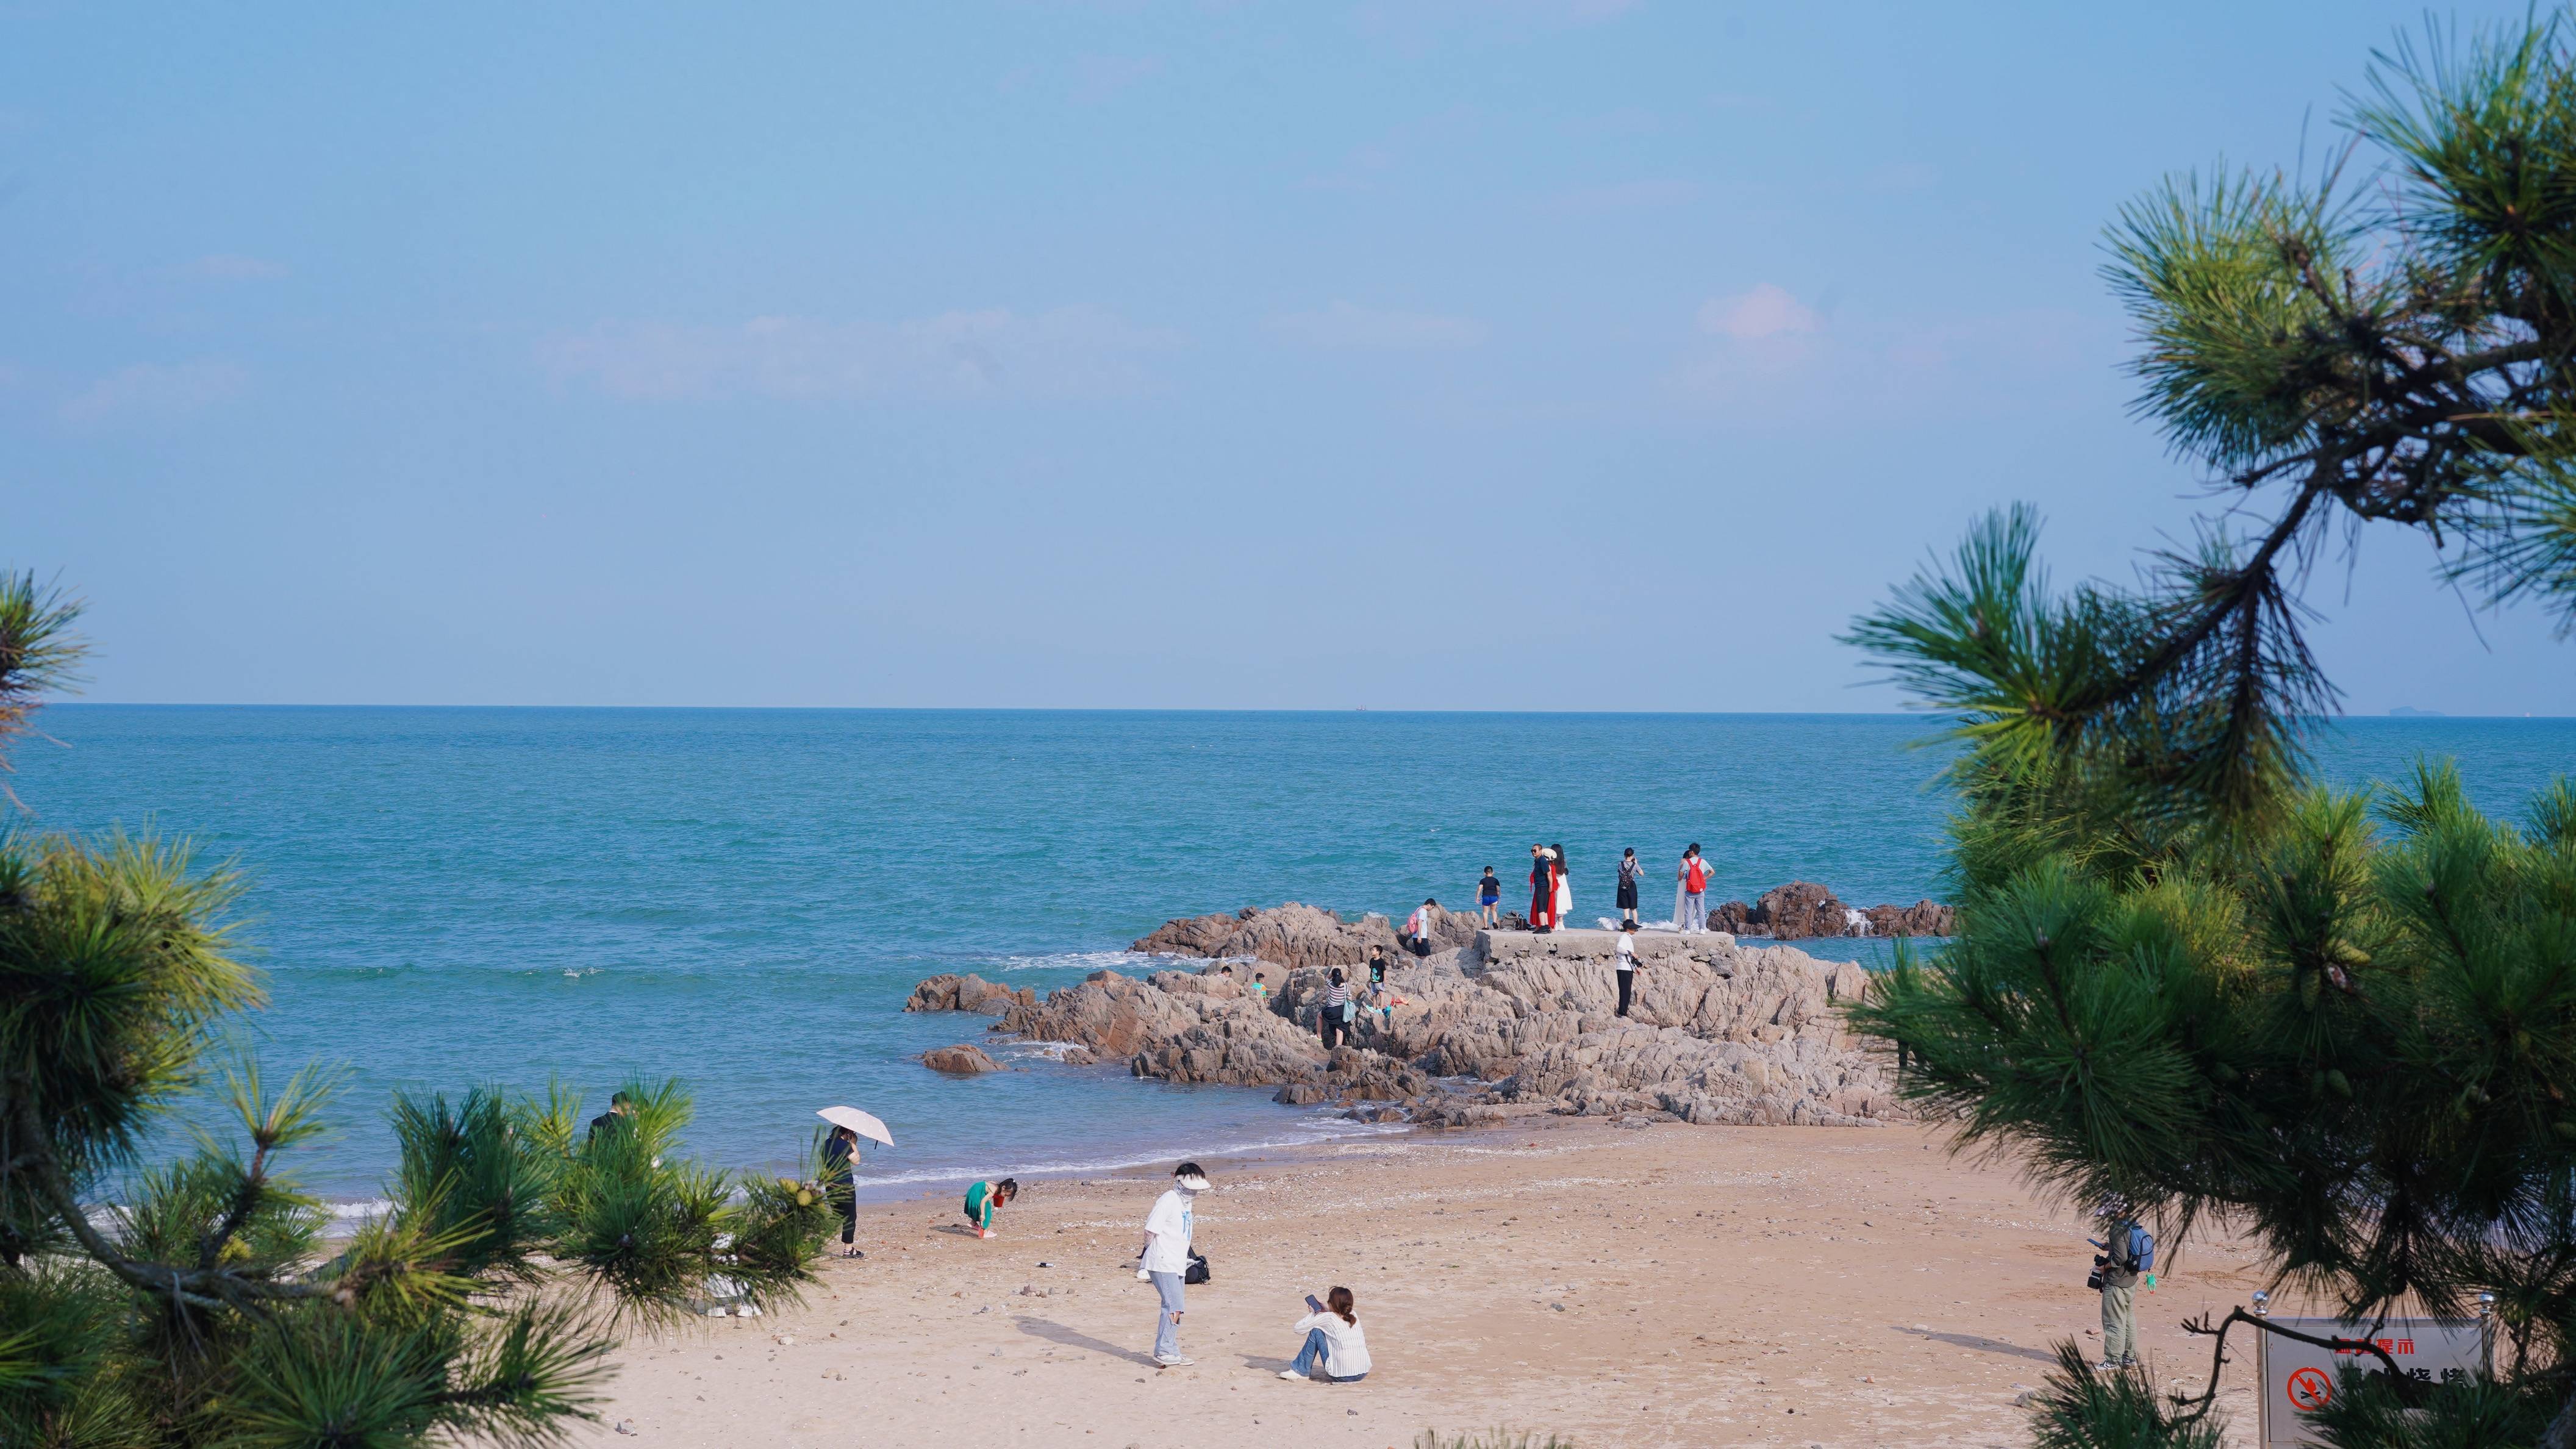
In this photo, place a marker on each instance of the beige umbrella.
(857, 1121)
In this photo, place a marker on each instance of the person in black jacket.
(840, 1185)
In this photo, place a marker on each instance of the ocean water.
(743, 899)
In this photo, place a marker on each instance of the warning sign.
(2298, 1377)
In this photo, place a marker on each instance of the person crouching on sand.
(983, 1198)
(1335, 1350)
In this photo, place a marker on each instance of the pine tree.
(2340, 1024)
(153, 1299)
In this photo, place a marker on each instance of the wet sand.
(1629, 1286)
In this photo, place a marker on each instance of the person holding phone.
(1335, 1349)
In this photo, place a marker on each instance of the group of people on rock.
(1552, 890)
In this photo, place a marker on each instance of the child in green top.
(983, 1197)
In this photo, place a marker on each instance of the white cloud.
(1766, 311)
(151, 391)
(1346, 325)
(1070, 352)
(225, 267)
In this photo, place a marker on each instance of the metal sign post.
(2299, 1376)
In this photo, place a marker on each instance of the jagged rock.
(1923, 918)
(1293, 935)
(964, 1060)
(1803, 909)
(1718, 1032)
(967, 993)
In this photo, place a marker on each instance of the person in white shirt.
(1165, 1259)
(1627, 967)
(1335, 1347)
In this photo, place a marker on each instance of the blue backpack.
(2142, 1251)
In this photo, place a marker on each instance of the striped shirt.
(1340, 995)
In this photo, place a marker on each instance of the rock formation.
(1803, 909)
(963, 1059)
(967, 993)
(1506, 1022)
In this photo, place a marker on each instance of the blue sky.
(1556, 354)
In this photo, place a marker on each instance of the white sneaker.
(1178, 1360)
(1292, 1375)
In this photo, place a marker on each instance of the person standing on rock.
(1542, 917)
(1489, 899)
(1331, 1017)
(1418, 925)
(1564, 888)
(1690, 909)
(1629, 870)
(1627, 967)
(1164, 1261)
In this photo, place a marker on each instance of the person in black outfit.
(1629, 870)
(840, 1185)
(1377, 967)
(620, 1117)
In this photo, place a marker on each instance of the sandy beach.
(1628, 1286)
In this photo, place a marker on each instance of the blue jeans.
(1310, 1359)
(1167, 1317)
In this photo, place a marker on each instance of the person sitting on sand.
(1335, 1350)
(983, 1198)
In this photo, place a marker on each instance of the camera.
(2093, 1280)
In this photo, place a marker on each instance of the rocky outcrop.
(1802, 910)
(1294, 936)
(963, 1060)
(1510, 1022)
(967, 993)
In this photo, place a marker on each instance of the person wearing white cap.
(1165, 1259)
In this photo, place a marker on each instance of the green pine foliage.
(2340, 1024)
(151, 1298)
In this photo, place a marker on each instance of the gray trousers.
(2119, 1323)
(1167, 1317)
(1694, 911)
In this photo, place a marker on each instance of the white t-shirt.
(1627, 952)
(1169, 1223)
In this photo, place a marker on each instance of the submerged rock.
(963, 1060)
(967, 993)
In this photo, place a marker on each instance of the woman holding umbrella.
(840, 1167)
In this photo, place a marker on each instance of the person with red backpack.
(1690, 912)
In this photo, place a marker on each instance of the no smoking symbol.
(2310, 1388)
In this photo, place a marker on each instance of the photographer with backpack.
(2128, 1251)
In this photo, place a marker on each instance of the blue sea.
(743, 899)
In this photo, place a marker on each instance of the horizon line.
(1926, 714)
